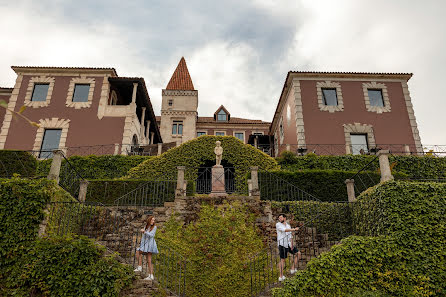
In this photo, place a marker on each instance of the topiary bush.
(17, 162)
(217, 247)
(200, 151)
(358, 264)
(407, 258)
(98, 167)
(64, 266)
(427, 167)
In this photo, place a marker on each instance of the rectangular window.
(40, 92)
(50, 142)
(376, 97)
(200, 134)
(219, 133)
(330, 97)
(177, 128)
(81, 93)
(240, 136)
(221, 116)
(170, 102)
(359, 144)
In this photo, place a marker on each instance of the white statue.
(218, 153)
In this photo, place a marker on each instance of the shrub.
(17, 162)
(217, 247)
(62, 266)
(199, 152)
(406, 259)
(334, 219)
(98, 167)
(22, 203)
(358, 263)
(413, 166)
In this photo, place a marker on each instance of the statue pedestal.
(218, 182)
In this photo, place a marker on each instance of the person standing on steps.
(147, 247)
(285, 243)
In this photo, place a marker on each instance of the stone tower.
(179, 107)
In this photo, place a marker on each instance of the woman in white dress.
(147, 246)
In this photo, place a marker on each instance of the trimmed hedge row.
(17, 162)
(413, 166)
(406, 259)
(326, 185)
(334, 219)
(200, 151)
(98, 167)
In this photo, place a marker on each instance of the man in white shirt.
(285, 243)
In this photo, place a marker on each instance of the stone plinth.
(218, 181)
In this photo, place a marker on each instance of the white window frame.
(202, 131)
(320, 96)
(224, 133)
(376, 86)
(244, 135)
(29, 91)
(80, 81)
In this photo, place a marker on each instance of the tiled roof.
(348, 72)
(63, 68)
(181, 79)
(232, 120)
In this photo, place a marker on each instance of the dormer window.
(222, 116)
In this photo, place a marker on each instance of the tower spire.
(181, 79)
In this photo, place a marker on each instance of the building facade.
(179, 120)
(77, 107)
(352, 113)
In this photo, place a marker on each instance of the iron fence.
(149, 194)
(203, 182)
(274, 188)
(116, 229)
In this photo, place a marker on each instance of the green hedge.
(98, 167)
(406, 259)
(200, 151)
(216, 247)
(17, 162)
(334, 219)
(326, 185)
(106, 191)
(418, 167)
(61, 266)
(357, 264)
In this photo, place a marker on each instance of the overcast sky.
(238, 52)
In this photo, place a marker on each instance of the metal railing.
(274, 188)
(149, 194)
(70, 177)
(203, 182)
(114, 228)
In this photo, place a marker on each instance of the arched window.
(222, 116)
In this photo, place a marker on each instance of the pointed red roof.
(181, 79)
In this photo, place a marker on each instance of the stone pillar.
(384, 165)
(160, 149)
(288, 147)
(406, 150)
(255, 181)
(55, 165)
(185, 188)
(135, 87)
(218, 181)
(348, 150)
(256, 142)
(148, 131)
(180, 181)
(83, 191)
(42, 226)
(350, 190)
(152, 135)
(116, 149)
(143, 117)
